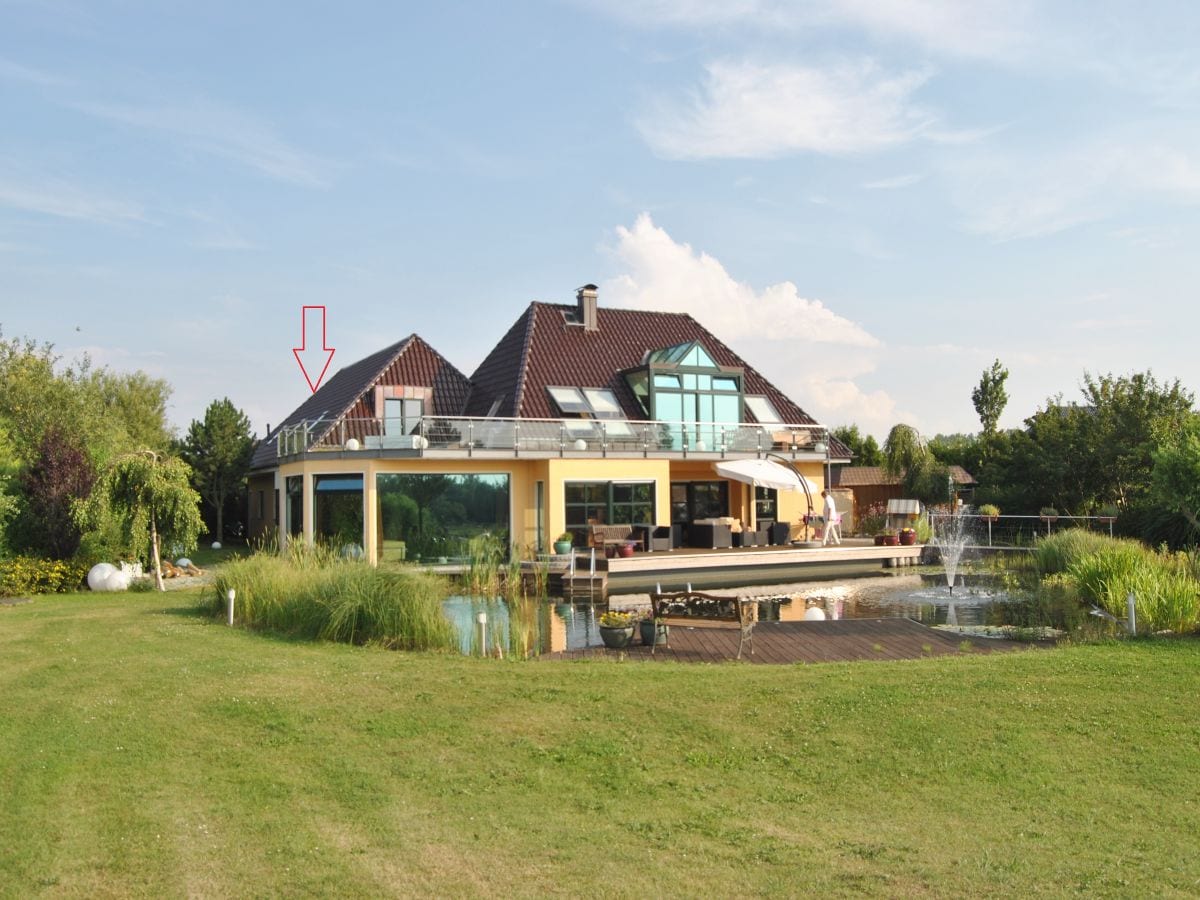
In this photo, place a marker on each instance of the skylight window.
(596, 403)
(569, 400)
(762, 409)
(603, 403)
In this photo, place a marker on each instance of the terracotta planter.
(887, 540)
(907, 538)
(625, 551)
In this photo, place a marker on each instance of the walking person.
(833, 521)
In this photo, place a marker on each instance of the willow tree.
(906, 455)
(151, 496)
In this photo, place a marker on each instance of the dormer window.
(684, 384)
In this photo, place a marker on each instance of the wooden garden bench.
(691, 607)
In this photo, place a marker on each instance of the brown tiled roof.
(865, 476)
(545, 348)
(409, 362)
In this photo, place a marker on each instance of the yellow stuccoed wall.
(554, 473)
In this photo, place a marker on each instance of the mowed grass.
(148, 750)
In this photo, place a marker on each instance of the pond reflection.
(530, 627)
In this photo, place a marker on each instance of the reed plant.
(1167, 595)
(313, 594)
(486, 555)
(1056, 553)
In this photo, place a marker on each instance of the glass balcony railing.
(550, 437)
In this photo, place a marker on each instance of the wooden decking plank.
(787, 643)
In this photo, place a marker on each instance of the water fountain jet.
(950, 535)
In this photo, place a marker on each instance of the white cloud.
(665, 275)
(888, 184)
(54, 197)
(747, 110)
(220, 131)
(12, 71)
(986, 29)
(1022, 195)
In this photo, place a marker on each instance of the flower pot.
(651, 632)
(625, 551)
(562, 547)
(908, 538)
(616, 638)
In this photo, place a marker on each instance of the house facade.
(580, 415)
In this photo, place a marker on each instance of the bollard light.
(230, 595)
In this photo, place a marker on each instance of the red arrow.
(318, 360)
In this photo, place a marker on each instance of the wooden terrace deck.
(787, 643)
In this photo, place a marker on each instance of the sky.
(869, 200)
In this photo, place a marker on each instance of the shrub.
(312, 594)
(873, 520)
(23, 575)
(989, 509)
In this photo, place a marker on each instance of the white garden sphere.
(352, 551)
(814, 614)
(98, 573)
(183, 562)
(580, 444)
(117, 581)
(216, 545)
(353, 445)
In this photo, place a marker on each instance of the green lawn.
(145, 750)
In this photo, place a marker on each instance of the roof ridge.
(519, 393)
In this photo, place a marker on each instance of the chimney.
(586, 298)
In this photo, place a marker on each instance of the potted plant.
(907, 537)
(989, 512)
(1108, 513)
(1048, 514)
(887, 539)
(616, 629)
(562, 543)
(652, 630)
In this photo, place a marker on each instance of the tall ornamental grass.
(315, 595)
(1167, 594)
(1056, 553)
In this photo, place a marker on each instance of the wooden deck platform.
(706, 569)
(787, 643)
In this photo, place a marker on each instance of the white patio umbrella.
(765, 473)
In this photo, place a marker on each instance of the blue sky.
(869, 199)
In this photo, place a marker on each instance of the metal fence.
(1019, 531)
(559, 437)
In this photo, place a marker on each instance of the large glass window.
(430, 517)
(338, 511)
(295, 505)
(607, 503)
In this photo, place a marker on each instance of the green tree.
(990, 398)
(903, 450)
(1175, 480)
(218, 449)
(150, 495)
(864, 447)
(906, 455)
(1131, 417)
